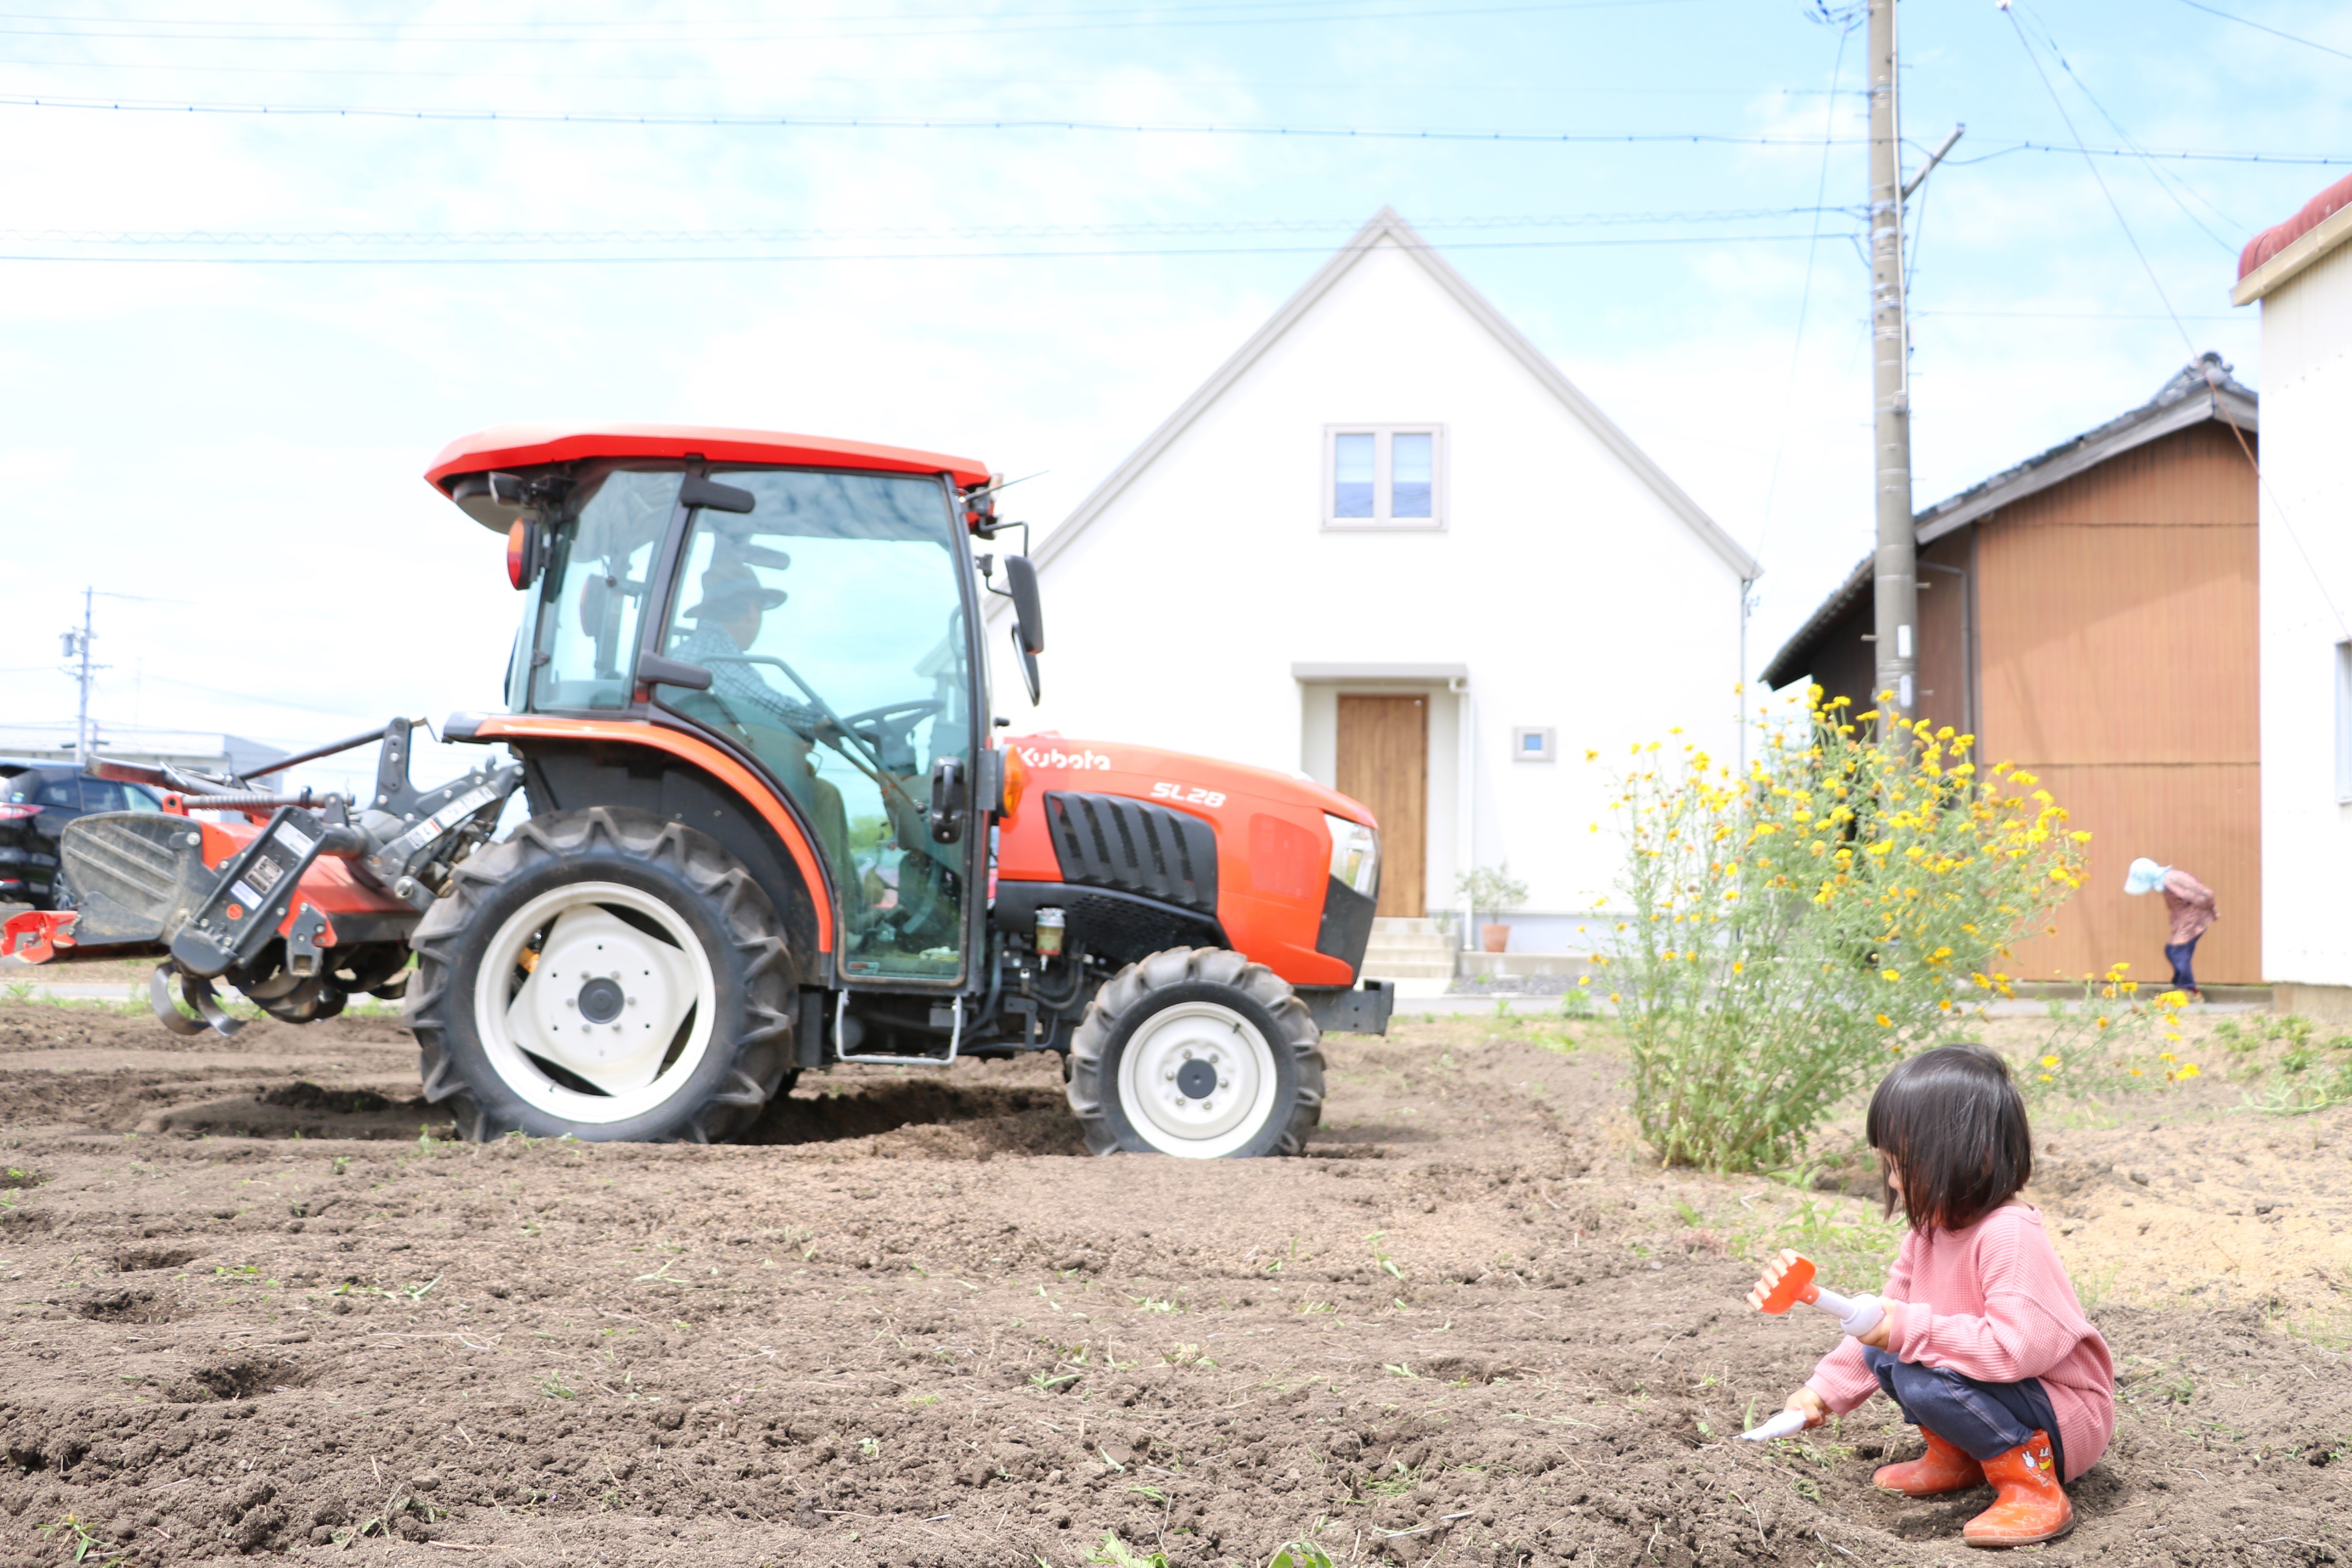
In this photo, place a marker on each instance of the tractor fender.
(572, 764)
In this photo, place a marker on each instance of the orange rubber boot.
(1942, 1468)
(2031, 1505)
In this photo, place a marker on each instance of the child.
(1983, 1344)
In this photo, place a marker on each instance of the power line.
(788, 235)
(2266, 27)
(848, 123)
(1240, 15)
(2261, 479)
(2162, 182)
(641, 260)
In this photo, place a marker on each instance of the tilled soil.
(254, 1303)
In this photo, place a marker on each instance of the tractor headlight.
(1354, 854)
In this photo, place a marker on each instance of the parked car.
(34, 807)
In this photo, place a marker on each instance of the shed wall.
(2117, 615)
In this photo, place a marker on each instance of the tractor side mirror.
(1028, 619)
(1021, 577)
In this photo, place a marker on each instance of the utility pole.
(77, 646)
(1896, 573)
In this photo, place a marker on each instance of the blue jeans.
(2177, 955)
(1983, 1420)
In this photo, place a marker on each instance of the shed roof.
(2203, 389)
(1387, 226)
(2284, 249)
(527, 446)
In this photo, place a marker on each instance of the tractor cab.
(807, 609)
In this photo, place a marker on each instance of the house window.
(1384, 477)
(1534, 743)
(2344, 723)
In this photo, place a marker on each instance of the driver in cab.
(780, 730)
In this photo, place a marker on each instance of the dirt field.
(249, 1309)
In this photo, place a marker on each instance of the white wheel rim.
(1178, 1051)
(604, 1001)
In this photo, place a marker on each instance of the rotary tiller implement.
(304, 902)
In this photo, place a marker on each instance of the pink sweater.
(1990, 1302)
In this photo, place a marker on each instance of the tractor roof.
(510, 447)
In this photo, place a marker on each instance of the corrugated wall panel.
(2116, 614)
(2205, 819)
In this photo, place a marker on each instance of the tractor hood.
(1198, 784)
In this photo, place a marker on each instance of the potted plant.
(1494, 889)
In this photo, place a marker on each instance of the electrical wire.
(2265, 28)
(2163, 182)
(2260, 478)
(1296, 132)
(1244, 16)
(641, 260)
(791, 235)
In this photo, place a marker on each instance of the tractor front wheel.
(607, 974)
(1198, 1053)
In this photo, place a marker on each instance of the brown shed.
(2090, 616)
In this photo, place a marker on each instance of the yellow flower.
(2136, 1073)
(2050, 1061)
(2166, 1057)
(1738, 967)
(2045, 1077)
(1890, 974)
(1584, 979)
(2187, 1070)
(1613, 996)
(1885, 1022)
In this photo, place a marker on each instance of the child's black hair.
(1950, 1121)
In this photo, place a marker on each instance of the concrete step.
(1438, 972)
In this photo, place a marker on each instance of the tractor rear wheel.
(604, 974)
(1198, 1053)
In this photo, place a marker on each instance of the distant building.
(2090, 614)
(1390, 545)
(48, 746)
(2302, 273)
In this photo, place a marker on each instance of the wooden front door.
(1384, 762)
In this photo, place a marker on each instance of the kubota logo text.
(1057, 758)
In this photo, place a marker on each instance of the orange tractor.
(769, 826)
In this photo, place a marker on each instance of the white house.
(2302, 273)
(1390, 545)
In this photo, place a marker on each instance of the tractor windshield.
(831, 618)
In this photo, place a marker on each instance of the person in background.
(2190, 902)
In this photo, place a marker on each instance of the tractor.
(769, 823)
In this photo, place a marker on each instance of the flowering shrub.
(1793, 930)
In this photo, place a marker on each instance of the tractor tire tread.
(763, 1046)
(1091, 1090)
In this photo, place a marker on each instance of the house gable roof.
(2201, 390)
(1387, 226)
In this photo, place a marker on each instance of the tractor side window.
(831, 619)
(595, 590)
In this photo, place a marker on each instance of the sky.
(231, 340)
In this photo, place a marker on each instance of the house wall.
(2306, 598)
(1572, 594)
(2117, 612)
